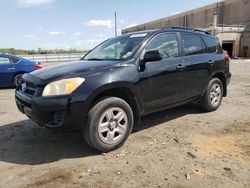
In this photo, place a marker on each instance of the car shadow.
(166, 116)
(7, 87)
(26, 143)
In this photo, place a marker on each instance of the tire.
(213, 97)
(16, 79)
(109, 123)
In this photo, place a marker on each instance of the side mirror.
(152, 56)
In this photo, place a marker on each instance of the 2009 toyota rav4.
(109, 89)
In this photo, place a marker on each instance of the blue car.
(12, 68)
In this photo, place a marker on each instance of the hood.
(73, 69)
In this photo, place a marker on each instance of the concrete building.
(229, 20)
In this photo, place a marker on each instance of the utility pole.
(115, 25)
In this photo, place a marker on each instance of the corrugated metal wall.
(230, 12)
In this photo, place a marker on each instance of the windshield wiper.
(94, 59)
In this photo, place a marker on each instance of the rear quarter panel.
(24, 67)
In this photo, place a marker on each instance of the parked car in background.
(12, 68)
(124, 78)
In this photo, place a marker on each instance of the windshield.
(119, 48)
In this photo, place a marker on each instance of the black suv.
(109, 89)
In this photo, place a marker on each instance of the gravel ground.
(181, 147)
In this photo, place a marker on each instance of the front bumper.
(64, 112)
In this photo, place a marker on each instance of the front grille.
(29, 89)
(25, 92)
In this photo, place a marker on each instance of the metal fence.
(53, 58)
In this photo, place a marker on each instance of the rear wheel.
(109, 123)
(213, 96)
(16, 79)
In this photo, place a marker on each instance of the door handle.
(180, 67)
(11, 68)
(211, 62)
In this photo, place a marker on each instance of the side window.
(212, 44)
(14, 60)
(219, 49)
(4, 60)
(167, 44)
(192, 44)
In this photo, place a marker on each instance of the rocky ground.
(181, 147)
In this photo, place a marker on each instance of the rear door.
(198, 64)
(7, 71)
(213, 48)
(162, 82)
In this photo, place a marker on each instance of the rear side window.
(192, 44)
(212, 44)
(14, 60)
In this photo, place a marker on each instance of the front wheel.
(109, 123)
(213, 97)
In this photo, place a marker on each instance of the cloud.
(119, 31)
(131, 25)
(90, 42)
(57, 33)
(79, 43)
(101, 35)
(40, 29)
(52, 45)
(121, 21)
(177, 12)
(77, 33)
(28, 3)
(29, 36)
(95, 40)
(105, 23)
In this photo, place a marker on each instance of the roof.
(173, 28)
(189, 29)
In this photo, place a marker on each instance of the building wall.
(233, 12)
(230, 12)
(201, 18)
(245, 44)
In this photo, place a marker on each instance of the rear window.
(192, 44)
(212, 44)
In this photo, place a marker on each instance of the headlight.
(62, 87)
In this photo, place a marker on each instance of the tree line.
(14, 51)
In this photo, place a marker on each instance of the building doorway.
(228, 46)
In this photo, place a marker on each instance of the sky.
(79, 24)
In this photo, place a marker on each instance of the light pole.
(115, 25)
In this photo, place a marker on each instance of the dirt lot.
(181, 147)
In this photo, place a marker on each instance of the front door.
(162, 83)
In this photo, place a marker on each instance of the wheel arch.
(222, 78)
(17, 73)
(123, 91)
